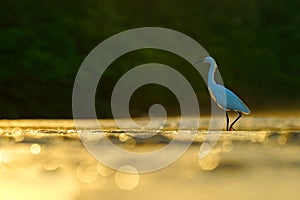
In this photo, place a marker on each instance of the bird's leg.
(227, 121)
(231, 126)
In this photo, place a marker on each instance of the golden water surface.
(45, 159)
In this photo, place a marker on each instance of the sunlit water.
(45, 159)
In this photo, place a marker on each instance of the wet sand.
(45, 159)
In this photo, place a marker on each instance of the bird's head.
(207, 59)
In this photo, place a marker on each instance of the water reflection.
(50, 163)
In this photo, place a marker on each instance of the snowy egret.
(224, 97)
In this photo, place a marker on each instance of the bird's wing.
(235, 103)
(227, 100)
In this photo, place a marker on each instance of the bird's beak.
(199, 61)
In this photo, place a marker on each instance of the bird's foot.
(231, 129)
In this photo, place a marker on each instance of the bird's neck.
(211, 74)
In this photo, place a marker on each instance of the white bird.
(224, 97)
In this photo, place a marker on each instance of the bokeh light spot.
(127, 181)
(227, 146)
(35, 149)
(104, 170)
(210, 162)
(282, 140)
(87, 171)
(123, 137)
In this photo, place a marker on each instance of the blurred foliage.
(43, 43)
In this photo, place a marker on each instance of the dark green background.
(42, 43)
